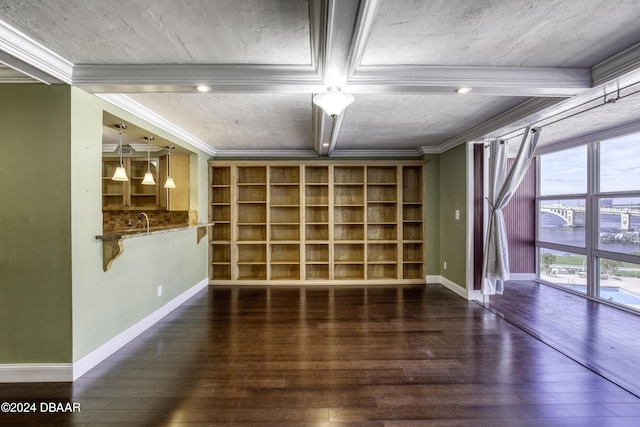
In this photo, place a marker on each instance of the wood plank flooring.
(333, 356)
(603, 338)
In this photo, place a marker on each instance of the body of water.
(554, 230)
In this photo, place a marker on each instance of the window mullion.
(591, 218)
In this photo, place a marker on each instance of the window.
(588, 232)
(564, 269)
(620, 164)
(562, 221)
(564, 172)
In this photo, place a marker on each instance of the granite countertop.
(141, 232)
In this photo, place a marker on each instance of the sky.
(565, 172)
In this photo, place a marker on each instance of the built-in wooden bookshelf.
(316, 221)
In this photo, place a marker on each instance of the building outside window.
(588, 224)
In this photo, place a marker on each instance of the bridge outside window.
(588, 230)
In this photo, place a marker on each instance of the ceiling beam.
(348, 25)
(184, 77)
(322, 127)
(500, 81)
(335, 132)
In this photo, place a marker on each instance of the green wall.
(432, 214)
(35, 224)
(453, 196)
(56, 302)
(107, 303)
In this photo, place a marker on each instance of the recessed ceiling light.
(325, 144)
(463, 90)
(203, 88)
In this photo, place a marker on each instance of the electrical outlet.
(457, 214)
(445, 265)
(159, 291)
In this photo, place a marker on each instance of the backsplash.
(120, 220)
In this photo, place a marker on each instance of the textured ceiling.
(406, 121)
(166, 31)
(240, 121)
(542, 33)
(525, 60)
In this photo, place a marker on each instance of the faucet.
(140, 216)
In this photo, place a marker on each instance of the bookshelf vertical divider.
(337, 221)
(302, 221)
(331, 220)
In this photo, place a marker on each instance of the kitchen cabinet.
(124, 195)
(174, 199)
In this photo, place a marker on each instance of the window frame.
(592, 199)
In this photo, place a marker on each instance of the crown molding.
(617, 66)
(9, 75)
(427, 149)
(409, 153)
(109, 148)
(614, 132)
(513, 118)
(22, 53)
(137, 109)
(259, 154)
(143, 147)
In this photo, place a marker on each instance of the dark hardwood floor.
(370, 356)
(603, 338)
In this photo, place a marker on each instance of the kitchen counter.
(112, 241)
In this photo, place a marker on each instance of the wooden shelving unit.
(220, 215)
(122, 195)
(317, 221)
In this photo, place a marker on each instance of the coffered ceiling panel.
(401, 121)
(501, 33)
(167, 31)
(263, 60)
(239, 121)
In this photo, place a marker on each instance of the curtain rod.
(605, 101)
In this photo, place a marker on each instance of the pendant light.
(148, 177)
(169, 183)
(121, 173)
(334, 101)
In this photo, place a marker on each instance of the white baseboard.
(468, 294)
(67, 372)
(452, 286)
(36, 372)
(83, 365)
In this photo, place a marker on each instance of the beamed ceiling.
(527, 62)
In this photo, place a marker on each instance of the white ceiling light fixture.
(463, 90)
(203, 88)
(169, 183)
(120, 173)
(334, 101)
(148, 176)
